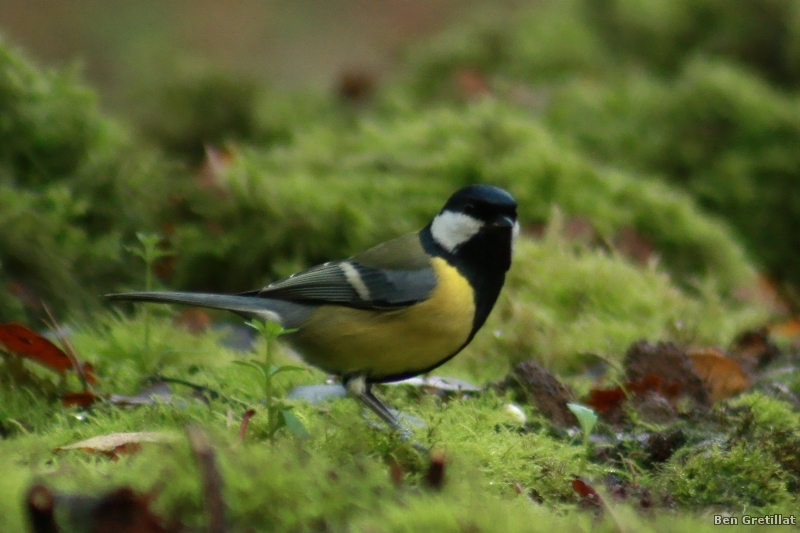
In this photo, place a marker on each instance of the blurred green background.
(262, 137)
(300, 44)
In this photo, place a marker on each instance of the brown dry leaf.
(671, 367)
(356, 86)
(721, 374)
(210, 479)
(193, 319)
(471, 84)
(115, 444)
(124, 511)
(753, 349)
(41, 509)
(434, 477)
(634, 245)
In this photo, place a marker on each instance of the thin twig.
(67, 347)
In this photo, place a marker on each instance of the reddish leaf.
(396, 473)
(670, 364)
(588, 494)
(81, 399)
(245, 423)
(605, 400)
(24, 342)
(88, 372)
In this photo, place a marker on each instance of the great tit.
(399, 309)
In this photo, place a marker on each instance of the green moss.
(334, 192)
(737, 479)
(700, 93)
(769, 413)
(339, 477)
(71, 185)
(716, 130)
(553, 40)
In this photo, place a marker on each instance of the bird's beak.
(503, 221)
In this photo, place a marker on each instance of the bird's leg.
(358, 387)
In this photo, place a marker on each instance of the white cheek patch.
(450, 229)
(354, 279)
(514, 235)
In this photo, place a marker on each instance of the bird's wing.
(395, 274)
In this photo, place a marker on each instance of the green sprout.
(279, 413)
(587, 419)
(149, 251)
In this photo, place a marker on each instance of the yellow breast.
(379, 344)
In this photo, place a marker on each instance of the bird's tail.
(248, 306)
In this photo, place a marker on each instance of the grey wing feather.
(353, 284)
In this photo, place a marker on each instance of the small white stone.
(515, 412)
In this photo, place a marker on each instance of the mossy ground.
(501, 475)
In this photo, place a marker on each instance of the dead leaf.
(24, 342)
(723, 376)
(439, 384)
(124, 511)
(80, 399)
(245, 423)
(356, 86)
(194, 319)
(589, 496)
(41, 505)
(790, 329)
(434, 477)
(608, 402)
(471, 83)
(754, 349)
(210, 478)
(115, 444)
(531, 383)
(669, 364)
(605, 400)
(634, 245)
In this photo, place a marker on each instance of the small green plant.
(587, 419)
(149, 251)
(279, 413)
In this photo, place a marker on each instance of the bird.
(397, 310)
